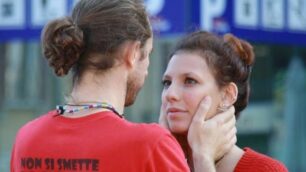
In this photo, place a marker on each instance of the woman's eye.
(166, 83)
(190, 81)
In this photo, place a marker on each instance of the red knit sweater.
(253, 161)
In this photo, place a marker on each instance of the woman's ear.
(131, 52)
(230, 94)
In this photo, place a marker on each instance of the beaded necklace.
(61, 109)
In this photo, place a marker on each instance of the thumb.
(202, 110)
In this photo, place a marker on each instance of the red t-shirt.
(253, 161)
(98, 142)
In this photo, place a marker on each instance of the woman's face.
(187, 81)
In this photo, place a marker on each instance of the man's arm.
(210, 139)
(203, 163)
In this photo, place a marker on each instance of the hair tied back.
(62, 44)
(241, 47)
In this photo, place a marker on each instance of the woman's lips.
(174, 112)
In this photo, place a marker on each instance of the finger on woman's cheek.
(203, 109)
(226, 115)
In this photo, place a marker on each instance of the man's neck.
(108, 87)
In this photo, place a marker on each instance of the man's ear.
(230, 94)
(131, 52)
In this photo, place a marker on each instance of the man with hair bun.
(203, 64)
(106, 44)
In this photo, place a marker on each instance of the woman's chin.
(178, 129)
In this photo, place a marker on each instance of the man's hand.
(214, 137)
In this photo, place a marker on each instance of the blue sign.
(263, 21)
(168, 18)
(24, 19)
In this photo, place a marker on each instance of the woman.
(203, 64)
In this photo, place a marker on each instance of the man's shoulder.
(162, 151)
(147, 136)
(37, 121)
(150, 131)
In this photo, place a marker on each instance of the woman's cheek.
(163, 108)
(192, 101)
(163, 100)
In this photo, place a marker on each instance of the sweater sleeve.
(167, 156)
(253, 161)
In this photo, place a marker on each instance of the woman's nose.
(172, 93)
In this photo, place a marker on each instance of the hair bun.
(62, 44)
(241, 47)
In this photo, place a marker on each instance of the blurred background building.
(274, 123)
